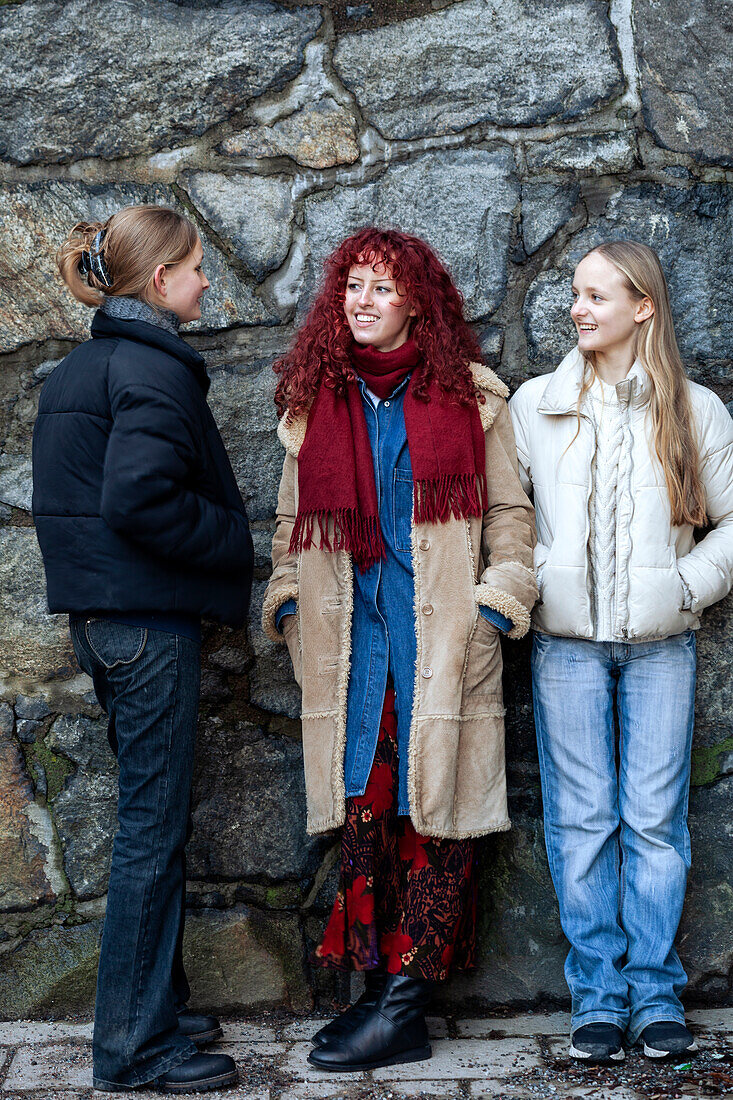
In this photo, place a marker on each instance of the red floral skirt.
(405, 903)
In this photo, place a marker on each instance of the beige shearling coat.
(456, 778)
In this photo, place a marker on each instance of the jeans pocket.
(402, 510)
(115, 643)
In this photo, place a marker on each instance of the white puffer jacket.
(651, 554)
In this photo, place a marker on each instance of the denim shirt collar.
(396, 392)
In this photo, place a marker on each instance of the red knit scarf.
(336, 473)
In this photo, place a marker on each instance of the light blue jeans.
(616, 817)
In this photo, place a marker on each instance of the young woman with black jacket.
(143, 532)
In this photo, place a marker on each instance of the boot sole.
(658, 1055)
(595, 1059)
(202, 1038)
(202, 1085)
(420, 1054)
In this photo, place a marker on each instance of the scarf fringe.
(457, 495)
(360, 535)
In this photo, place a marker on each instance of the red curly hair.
(320, 353)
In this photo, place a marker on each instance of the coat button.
(427, 673)
(424, 544)
(387, 404)
(427, 609)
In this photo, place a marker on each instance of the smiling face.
(377, 308)
(179, 287)
(606, 315)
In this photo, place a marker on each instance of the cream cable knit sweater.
(613, 445)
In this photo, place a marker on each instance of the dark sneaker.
(598, 1043)
(200, 1073)
(200, 1029)
(667, 1039)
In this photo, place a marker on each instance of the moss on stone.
(57, 768)
(706, 762)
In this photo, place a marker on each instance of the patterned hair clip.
(92, 260)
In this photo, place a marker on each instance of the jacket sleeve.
(508, 583)
(707, 570)
(518, 407)
(152, 459)
(283, 584)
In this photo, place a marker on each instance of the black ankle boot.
(354, 1014)
(392, 1032)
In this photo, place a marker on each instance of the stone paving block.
(719, 1020)
(245, 1052)
(60, 1066)
(466, 1059)
(242, 1032)
(241, 1092)
(539, 1023)
(424, 1088)
(489, 1090)
(320, 1090)
(29, 1032)
(301, 1031)
(437, 1027)
(298, 1064)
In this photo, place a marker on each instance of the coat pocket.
(482, 679)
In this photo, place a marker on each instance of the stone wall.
(513, 134)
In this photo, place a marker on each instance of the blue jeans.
(616, 817)
(148, 683)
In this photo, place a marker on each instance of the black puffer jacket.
(135, 502)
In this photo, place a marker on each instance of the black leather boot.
(199, 1074)
(200, 1029)
(354, 1014)
(392, 1032)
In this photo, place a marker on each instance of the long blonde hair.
(670, 406)
(136, 240)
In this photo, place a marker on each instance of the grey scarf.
(134, 309)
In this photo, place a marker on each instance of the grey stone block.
(319, 135)
(52, 971)
(255, 214)
(32, 642)
(512, 63)
(683, 53)
(596, 154)
(249, 807)
(169, 72)
(31, 706)
(545, 208)
(85, 809)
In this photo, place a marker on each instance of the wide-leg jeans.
(616, 817)
(148, 683)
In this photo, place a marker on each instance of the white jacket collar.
(560, 396)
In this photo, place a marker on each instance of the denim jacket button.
(427, 609)
(387, 404)
(427, 673)
(424, 544)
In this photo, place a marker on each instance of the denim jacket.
(383, 628)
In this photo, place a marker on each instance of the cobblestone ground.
(513, 1057)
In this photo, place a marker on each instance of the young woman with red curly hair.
(403, 549)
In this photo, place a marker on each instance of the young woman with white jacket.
(625, 458)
